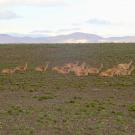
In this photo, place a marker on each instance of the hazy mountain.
(4, 38)
(130, 39)
(77, 37)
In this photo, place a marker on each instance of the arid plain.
(50, 103)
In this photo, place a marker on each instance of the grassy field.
(48, 103)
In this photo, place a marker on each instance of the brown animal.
(131, 70)
(80, 70)
(65, 69)
(117, 71)
(124, 72)
(41, 68)
(22, 68)
(123, 69)
(71, 65)
(125, 66)
(114, 71)
(93, 70)
(61, 70)
(108, 73)
(8, 71)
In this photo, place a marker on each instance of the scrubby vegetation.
(34, 103)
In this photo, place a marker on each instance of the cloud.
(41, 31)
(99, 22)
(68, 30)
(8, 15)
(56, 31)
(9, 3)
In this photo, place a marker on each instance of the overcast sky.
(52, 17)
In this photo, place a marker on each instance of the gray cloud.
(8, 15)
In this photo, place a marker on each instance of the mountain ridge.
(76, 37)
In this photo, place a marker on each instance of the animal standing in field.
(8, 70)
(41, 68)
(22, 68)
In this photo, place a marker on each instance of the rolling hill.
(77, 37)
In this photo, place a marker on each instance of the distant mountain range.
(77, 37)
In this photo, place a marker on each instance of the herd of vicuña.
(79, 69)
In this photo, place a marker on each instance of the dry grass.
(34, 103)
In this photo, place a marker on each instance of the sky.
(55, 17)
